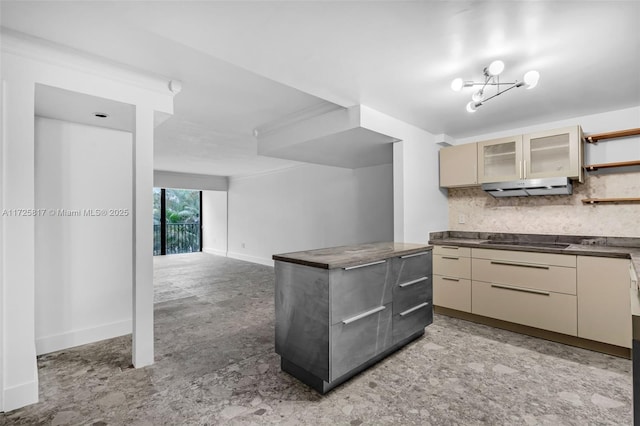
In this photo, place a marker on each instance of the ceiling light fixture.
(492, 78)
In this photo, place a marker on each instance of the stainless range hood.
(529, 187)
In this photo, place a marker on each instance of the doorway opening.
(177, 225)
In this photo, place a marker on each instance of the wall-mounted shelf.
(610, 200)
(612, 135)
(592, 167)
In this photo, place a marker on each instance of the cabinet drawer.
(531, 275)
(452, 266)
(454, 293)
(548, 311)
(359, 340)
(359, 289)
(452, 251)
(412, 320)
(411, 267)
(412, 293)
(554, 259)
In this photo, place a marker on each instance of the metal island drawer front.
(412, 295)
(357, 339)
(359, 288)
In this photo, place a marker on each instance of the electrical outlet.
(461, 218)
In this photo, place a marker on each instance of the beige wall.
(564, 214)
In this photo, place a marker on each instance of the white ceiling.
(246, 64)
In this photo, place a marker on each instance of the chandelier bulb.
(531, 79)
(496, 67)
(471, 107)
(477, 96)
(456, 84)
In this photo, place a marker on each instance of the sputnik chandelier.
(492, 78)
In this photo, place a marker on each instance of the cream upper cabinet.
(500, 160)
(554, 153)
(551, 153)
(458, 165)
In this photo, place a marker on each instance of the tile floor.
(215, 364)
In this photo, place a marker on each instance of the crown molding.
(42, 50)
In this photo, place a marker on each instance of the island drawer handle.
(419, 280)
(363, 315)
(450, 247)
(415, 308)
(348, 268)
(450, 279)
(524, 265)
(524, 290)
(450, 258)
(406, 256)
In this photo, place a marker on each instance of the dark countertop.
(617, 247)
(346, 256)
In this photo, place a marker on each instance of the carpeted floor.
(215, 364)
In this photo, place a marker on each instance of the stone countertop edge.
(352, 255)
(574, 248)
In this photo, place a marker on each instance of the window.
(176, 221)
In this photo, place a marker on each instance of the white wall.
(564, 214)
(25, 63)
(420, 206)
(79, 296)
(214, 222)
(308, 207)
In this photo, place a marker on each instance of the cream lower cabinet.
(604, 311)
(533, 289)
(583, 296)
(452, 277)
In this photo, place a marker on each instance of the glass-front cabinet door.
(500, 160)
(554, 153)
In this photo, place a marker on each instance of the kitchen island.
(341, 309)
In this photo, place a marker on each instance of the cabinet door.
(458, 166)
(604, 311)
(554, 153)
(500, 160)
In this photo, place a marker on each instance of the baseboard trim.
(48, 344)
(252, 259)
(19, 396)
(215, 251)
(579, 342)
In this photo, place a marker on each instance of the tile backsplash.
(558, 214)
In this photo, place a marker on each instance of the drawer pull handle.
(450, 279)
(450, 258)
(406, 256)
(363, 315)
(419, 280)
(415, 308)
(524, 265)
(348, 268)
(450, 247)
(524, 290)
